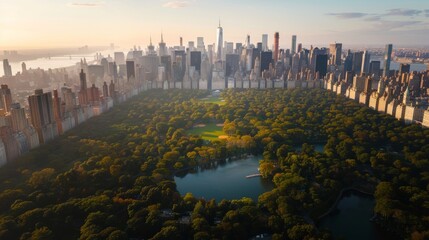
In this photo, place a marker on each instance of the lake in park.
(226, 181)
(351, 219)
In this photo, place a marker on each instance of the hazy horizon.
(45, 24)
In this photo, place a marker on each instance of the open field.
(211, 131)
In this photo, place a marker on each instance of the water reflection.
(224, 180)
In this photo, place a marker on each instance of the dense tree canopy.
(112, 177)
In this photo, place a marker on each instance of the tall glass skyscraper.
(293, 44)
(219, 43)
(387, 59)
(264, 42)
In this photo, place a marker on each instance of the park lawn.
(209, 132)
(215, 100)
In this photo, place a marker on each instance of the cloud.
(393, 25)
(176, 4)
(348, 15)
(373, 18)
(403, 12)
(86, 4)
(379, 17)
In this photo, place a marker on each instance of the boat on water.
(254, 175)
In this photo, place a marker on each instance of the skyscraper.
(119, 58)
(219, 43)
(131, 72)
(200, 44)
(162, 47)
(322, 64)
(57, 106)
(348, 62)
(178, 65)
(196, 60)
(374, 68)
(166, 62)
(231, 64)
(83, 96)
(365, 62)
(42, 114)
(293, 44)
(112, 89)
(264, 42)
(24, 67)
(404, 68)
(259, 46)
(266, 60)
(105, 90)
(94, 95)
(276, 47)
(387, 59)
(18, 118)
(335, 51)
(357, 62)
(7, 68)
(5, 97)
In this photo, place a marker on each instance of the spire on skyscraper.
(219, 42)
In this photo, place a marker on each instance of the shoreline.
(234, 158)
(339, 197)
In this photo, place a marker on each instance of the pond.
(351, 219)
(226, 181)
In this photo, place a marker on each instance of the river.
(226, 181)
(55, 62)
(46, 63)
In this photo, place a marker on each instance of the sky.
(34, 24)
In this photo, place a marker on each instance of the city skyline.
(72, 23)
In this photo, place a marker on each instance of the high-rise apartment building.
(5, 97)
(18, 118)
(42, 115)
(41, 108)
